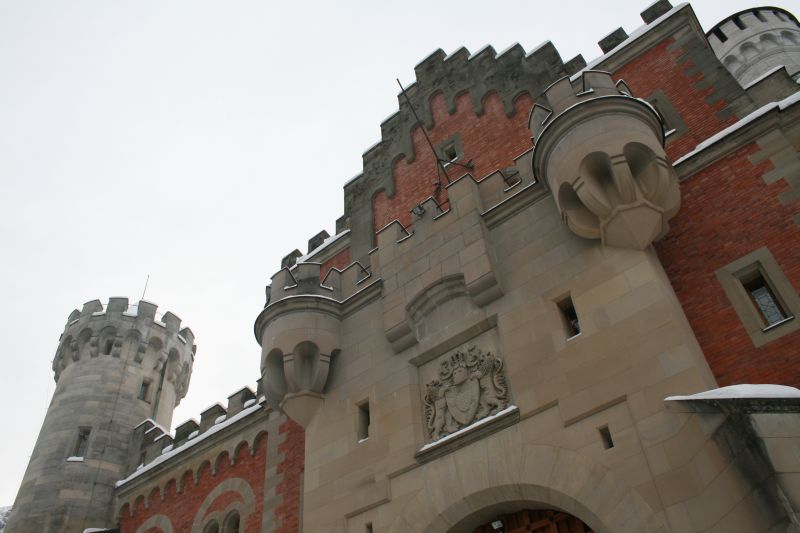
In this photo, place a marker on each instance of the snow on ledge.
(780, 105)
(741, 391)
(165, 455)
(635, 34)
(327, 242)
(469, 428)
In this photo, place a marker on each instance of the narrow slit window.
(363, 421)
(605, 436)
(769, 308)
(739, 24)
(108, 347)
(570, 317)
(82, 443)
(760, 16)
(144, 391)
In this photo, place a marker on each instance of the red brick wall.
(727, 212)
(181, 508)
(658, 69)
(340, 260)
(491, 140)
(287, 514)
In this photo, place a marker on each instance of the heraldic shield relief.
(470, 385)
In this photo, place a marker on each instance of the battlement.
(152, 444)
(754, 41)
(135, 333)
(509, 74)
(566, 93)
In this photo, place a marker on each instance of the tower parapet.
(601, 152)
(753, 42)
(115, 366)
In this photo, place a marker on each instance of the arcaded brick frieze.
(212, 493)
(729, 210)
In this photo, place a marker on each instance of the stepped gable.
(509, 74)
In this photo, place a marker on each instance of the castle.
(562, 297)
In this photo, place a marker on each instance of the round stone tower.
(114, 367)
(753, 42)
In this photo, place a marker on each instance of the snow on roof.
(165, 456)
(156, 424)
(741, 391)
(327, 242)
(780, 105)
(638, 32)
(767, 74)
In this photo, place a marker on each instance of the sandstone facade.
(555, 319)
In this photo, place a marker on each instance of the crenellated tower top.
(136, 333)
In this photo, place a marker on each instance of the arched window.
(232, 523)
(211, 527)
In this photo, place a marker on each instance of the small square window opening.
(605, 436)
(570, 317)
(363, 421)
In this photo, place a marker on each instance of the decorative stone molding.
(601, 152)
(470, 386)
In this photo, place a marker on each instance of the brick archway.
(245, 506)
(157, 521)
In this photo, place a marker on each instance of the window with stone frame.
(761, 295)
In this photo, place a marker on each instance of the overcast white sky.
(199, 142)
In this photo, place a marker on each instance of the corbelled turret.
(601, 152)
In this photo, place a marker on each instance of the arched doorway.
(535, 521)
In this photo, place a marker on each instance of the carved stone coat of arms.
(470, 385)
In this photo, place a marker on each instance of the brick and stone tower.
(115, 367)
(751, 43)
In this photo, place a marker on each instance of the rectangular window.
(570, 317)
(363, 421)
(144, 390)
(764, 300)
(761, 295)
(605, 436)
(109, 345)
(82, 442)
(368, 528)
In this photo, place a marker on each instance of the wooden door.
(538, 521)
